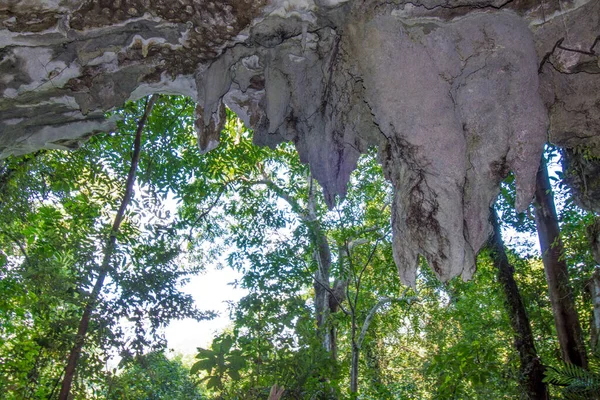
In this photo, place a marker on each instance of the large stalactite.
(455, 94)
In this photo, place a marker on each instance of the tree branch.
(19, 244)
(363, 269)
(383, 301)
(209, 208)
(363, 332)
(310, 219)
(296, 207)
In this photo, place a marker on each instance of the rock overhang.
(454, 94)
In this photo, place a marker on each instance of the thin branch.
(370, 315)
(351, 271)
(307, 215)
(187, 101)
(296, 207)
(19, 244)
(209, 208)
(364, 268)
(352, 244)
(328, 289)
(373, 311)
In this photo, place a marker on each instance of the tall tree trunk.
(323, 289)
(357, 341)
(557, 275)
(326, 300)
(354, 369)
(532, 370)
(337, 295)
(593, 286)
(593, 233)
(106, 260)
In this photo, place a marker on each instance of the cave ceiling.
(455, 94)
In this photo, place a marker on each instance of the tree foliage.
(325, 315)
(57, 211)
(152, 376)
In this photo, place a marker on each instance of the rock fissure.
(474, 6)
(591, 67)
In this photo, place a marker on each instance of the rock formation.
(454, 93)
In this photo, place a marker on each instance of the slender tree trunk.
(338, 293)
(354, 371)
(593, 286)
(323, 290)
(354, 362)
(593, 233)
(532, 370)
(357, 342)
(557, 275)
(325, 298)
(106, 260)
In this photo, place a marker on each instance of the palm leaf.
(577, 383)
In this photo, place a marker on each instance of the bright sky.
(211, 291)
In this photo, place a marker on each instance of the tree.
(219, 360)
(109, 248)
(283, 251)
(325, 313)
(593, 234)
(557, 275)
(532, 370)
(279, 252)
(59, 208)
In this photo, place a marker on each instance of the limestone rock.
(454, 93)
(453, 127)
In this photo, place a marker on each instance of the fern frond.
(578, 383)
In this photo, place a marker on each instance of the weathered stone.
(448, 91)
(452, 127)
(569, 50)
(582, 173)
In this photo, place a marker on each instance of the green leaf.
(214, 382)
(236, 362)
(234, 374)
(203, 365)
(205, 353)
(226, 344)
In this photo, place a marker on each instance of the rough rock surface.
(455, 94)
(456, 118)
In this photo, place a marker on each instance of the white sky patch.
(211, 291)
